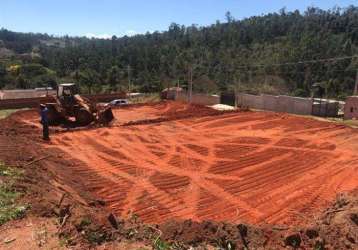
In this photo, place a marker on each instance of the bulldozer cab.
(66, 94)
(67, 89)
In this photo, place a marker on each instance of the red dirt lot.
(175, 161)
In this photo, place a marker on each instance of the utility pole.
(355, 92)
(190, 83)
(237, 89)
(129, 80)
(177, 90)
(250, 77)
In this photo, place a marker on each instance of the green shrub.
(9, 209)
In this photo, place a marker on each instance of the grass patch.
(9, 209)
(6, 112)
(93, 234)
(96, 237)
(66, 240)
(83, 224)
(159, 244)
(6, 171)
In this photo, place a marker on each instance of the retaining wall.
(23, 102)
(35, 102)
(25, 93)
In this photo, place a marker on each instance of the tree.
(204, 84)
(229, 17)
(113, 77)
(252, 48)
(88, 78)
(22, 83)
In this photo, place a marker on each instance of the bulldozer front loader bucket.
(84, 117)
(105, 116)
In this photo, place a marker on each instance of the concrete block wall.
(351, 108)
(270, 102)
(302, 106)
(202, 99)
(285, 104)
(35, 102)
(295, 105)
(251, 101)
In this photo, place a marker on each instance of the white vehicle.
(119, 102)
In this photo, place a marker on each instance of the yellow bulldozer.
(69, 106)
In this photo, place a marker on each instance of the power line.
(299, 62)
(299, 72)
(129, 78)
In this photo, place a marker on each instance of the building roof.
(173, 88)
(67, 84)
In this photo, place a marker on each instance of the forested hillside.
(256, 55)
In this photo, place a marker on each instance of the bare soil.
(196, 175)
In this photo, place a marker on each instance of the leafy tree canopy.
(252, 54)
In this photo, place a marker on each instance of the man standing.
(44, 122)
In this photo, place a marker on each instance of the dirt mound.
(338, 224)
(176, 111)
(336, 228)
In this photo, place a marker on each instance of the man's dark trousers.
(45, 132)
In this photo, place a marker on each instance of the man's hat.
(42, 105)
